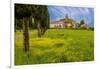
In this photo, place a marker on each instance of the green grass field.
(56, 46)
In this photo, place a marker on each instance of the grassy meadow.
(56, 46)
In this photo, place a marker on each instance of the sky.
(75, 13)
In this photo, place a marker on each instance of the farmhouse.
(57, 24)
(63, 23)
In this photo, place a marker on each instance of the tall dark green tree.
(41, 17)
(26, 13)
(81, 23)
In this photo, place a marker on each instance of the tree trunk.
(42, 30)
(26, 33)
(39, 28)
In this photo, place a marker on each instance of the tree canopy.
(38, 12)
